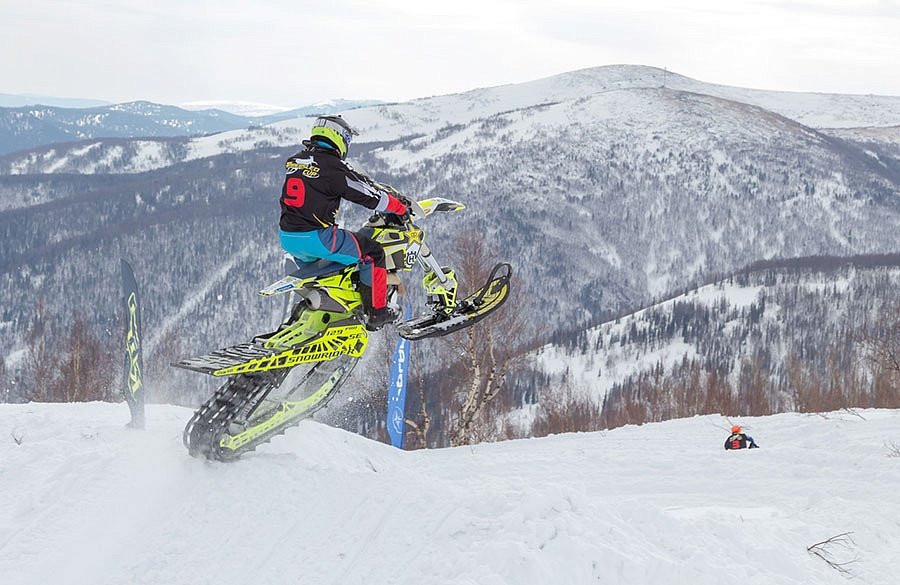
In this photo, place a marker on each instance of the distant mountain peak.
(241, 108)
(20, 100)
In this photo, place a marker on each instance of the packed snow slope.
(84, 500)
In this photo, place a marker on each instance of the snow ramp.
(84, 500)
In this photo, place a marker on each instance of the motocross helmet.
(735, 429)
(335, 131)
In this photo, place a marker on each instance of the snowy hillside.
(85, 501)
(30, 127)
(810, 312)
(242, 108)
(18, 100)
(268, 113)
(53, 134)
(428, 116)
(663, 187)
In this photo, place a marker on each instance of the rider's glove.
(399, 206)
(407, 202)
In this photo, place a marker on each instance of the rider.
(739, 440)
(316, 180)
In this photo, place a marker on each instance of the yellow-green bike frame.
(328, 320)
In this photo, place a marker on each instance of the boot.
(377, 318)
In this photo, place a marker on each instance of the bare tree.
(5, 381)
(421, 427)
(825, 550)
(752, 391)
(882, 341)
(85, 371)
(41, 364)
(568, 411)
(487, 350)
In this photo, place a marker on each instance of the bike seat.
(317, 268)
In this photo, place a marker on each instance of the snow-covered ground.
(84, 500)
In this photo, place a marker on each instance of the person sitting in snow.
(739, 440)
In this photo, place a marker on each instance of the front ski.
(468, 311)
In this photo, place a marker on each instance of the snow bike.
(280, 378)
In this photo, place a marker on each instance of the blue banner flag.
(396, 392)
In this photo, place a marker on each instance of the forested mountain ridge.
(427, 116)
(779, 336)
(604, 188)
(29, 127)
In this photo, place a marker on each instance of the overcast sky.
(300, 52)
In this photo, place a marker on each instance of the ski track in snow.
(84, 500)
(198, 296)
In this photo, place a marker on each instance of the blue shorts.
(338, 245)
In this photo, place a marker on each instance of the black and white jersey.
(316, 179)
